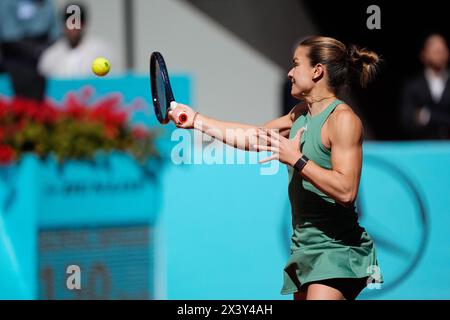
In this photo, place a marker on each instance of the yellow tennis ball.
(101, 66)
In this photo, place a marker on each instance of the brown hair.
(342, 63)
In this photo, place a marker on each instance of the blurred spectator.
(426, 99)
(27, 27)
(74, 53)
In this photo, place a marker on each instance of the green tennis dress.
(327, 240)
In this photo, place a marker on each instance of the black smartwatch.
(301, 163)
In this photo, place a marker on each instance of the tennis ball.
(101, 66)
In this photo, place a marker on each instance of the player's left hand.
(285, 150)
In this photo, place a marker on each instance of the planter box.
(99, 216)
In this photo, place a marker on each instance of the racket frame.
(157, 58)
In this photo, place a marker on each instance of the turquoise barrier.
(218, 231)
(404, 203)
(99, 216)
(18, 231)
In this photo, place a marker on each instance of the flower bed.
(74, 129)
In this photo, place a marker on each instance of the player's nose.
(290, 74)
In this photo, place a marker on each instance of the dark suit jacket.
(416, 94)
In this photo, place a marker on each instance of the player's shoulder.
(343, 113)
(343, 118)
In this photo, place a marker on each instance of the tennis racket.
(162, 95)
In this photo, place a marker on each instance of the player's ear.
(318, 72)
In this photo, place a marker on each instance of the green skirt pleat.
(315, 255)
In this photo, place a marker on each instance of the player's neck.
(317, 101)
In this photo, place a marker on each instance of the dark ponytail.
(363, 64)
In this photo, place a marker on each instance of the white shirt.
(62, 61)
(436, 83)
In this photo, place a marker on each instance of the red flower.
(6, 154)
(74, 108)
(111, 132)
(139, 132)
(106, 111)
(47, 113)
(86, 94)
(24, 108)
(4, 106)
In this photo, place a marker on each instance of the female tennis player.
(332, 256)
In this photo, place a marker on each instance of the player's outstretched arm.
(238, 135)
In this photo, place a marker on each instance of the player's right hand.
(174, 115)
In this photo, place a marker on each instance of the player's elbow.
(347, 197)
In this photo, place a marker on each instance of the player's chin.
(296, 93)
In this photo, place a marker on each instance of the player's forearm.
(237, 135)
(336, 185)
